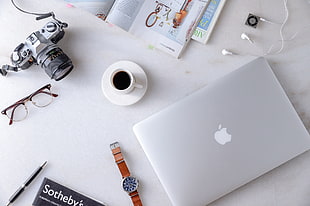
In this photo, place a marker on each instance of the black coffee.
(121, 80)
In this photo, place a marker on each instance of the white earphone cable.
(281, 31)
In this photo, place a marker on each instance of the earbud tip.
(226, 52)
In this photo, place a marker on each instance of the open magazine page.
(124, 12)
(100, 8)
(168, 24)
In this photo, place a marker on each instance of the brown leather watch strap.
(119, 159)
(135, 198)
(116, 151)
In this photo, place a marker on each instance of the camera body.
(41, 48)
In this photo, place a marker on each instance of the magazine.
(208, 21)
(52, 193)
(165, 24)
(100, 8)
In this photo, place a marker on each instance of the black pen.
(26, 184)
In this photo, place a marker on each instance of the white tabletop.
(74, 132)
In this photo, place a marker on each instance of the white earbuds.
(246, 37)
(226, 52)
(265, 20)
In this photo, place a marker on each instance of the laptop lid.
(223, 135)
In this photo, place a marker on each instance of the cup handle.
(139, 86)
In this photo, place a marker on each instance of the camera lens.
(57, 64)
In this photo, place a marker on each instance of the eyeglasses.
(40, 98)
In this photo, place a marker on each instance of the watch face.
(130, 184)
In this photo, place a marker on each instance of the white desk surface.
(74, 132)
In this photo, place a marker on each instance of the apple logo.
(222, 136)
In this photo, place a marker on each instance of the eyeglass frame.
(26, 99)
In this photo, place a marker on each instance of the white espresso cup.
(123, 81)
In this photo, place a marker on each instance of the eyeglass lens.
(43, 98)
(17, 113)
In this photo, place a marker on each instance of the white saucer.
(124, 99)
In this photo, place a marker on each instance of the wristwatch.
(129, 183)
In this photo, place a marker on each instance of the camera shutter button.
(51, 27)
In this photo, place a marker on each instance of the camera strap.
(39, 15)
(5, 68)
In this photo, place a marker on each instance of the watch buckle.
(114, 145)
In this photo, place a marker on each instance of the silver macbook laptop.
(223, 136)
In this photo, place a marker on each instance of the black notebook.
(54, 194)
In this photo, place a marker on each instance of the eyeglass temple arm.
(48, 86)
(49, 93)
(22, 101)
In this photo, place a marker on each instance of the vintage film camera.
(41, 48)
